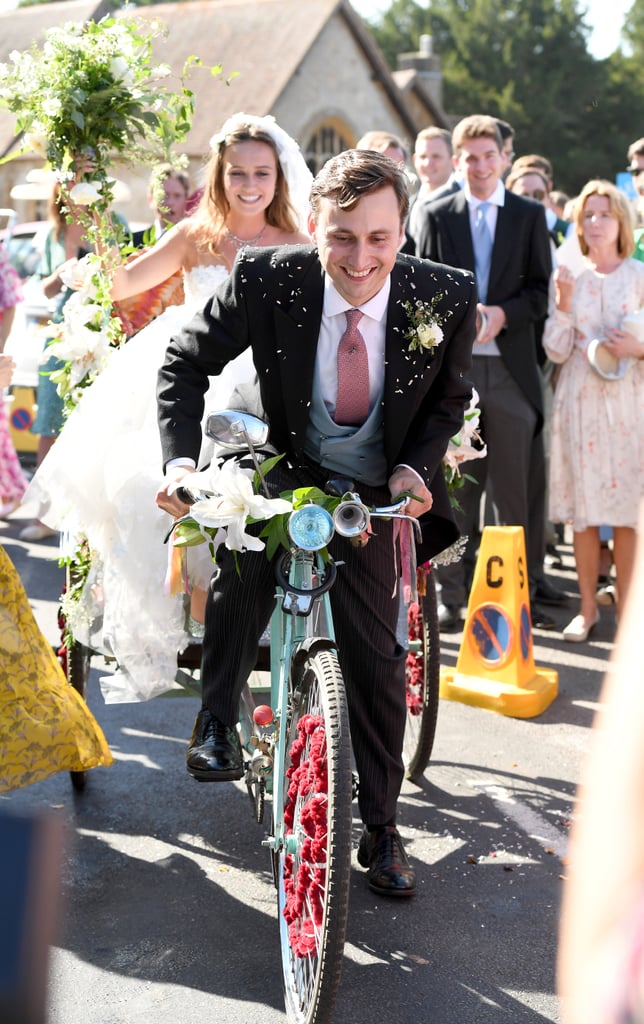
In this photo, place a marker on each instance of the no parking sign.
(21, 408)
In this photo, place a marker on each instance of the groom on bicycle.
(385, 424)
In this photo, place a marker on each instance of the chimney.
(427, 67)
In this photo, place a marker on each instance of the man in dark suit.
(289, 305)
(512, 280)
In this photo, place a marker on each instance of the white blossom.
(85, 193)
(429, 335)
(233, 506)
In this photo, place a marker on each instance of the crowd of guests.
(558, 370)
(557, 367)
(530, 229)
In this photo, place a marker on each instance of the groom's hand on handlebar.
(172, 503)
(402, 480)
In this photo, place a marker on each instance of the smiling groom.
(387, 427)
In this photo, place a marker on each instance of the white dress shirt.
(495, 200)
(372, 327)
(333, 324)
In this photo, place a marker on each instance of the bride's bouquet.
(92, 92)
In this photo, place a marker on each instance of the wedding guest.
(101, 482)
(392, 440)
(385, 142)
(63, 243)
(601, 934)
(45, 725)
(558, 225)
(530, 181)
(597, 456)
(433, 160)
(558, 201)
(13, 482)
(7, 366)
(636, 170)
(168, 193)
(507, 134)
(504, 239)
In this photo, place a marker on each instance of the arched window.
(329, 140)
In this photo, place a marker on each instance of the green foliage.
(399, 28)
(527, 62)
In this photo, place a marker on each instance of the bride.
(100, 478)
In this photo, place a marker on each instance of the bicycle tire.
(422, 682)
(313, 894)
(77, 663)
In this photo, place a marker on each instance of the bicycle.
(298, 747)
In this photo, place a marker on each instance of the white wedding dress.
(99, 481)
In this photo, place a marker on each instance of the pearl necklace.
(239, 242)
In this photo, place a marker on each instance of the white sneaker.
(37, 531)
(578, 630)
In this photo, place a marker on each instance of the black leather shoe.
(545, 593)
(541, 619)
(214, 754)
(383, 853)
(449, 616)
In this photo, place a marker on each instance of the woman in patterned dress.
(597, 433)
(13, 482)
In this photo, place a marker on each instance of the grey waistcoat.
(356, 452)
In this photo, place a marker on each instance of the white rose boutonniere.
(425, 331)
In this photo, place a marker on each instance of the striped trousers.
(365, 615)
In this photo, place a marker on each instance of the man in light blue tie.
(503, 238)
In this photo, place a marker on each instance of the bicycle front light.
(310, 527)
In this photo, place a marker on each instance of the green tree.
(527, 61)
(399, 28)
(633, 30)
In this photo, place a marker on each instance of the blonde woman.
(256, 193)
(597, 432)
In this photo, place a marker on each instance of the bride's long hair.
(209, 219)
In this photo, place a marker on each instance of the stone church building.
(312, 64)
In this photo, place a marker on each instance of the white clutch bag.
(604, 362)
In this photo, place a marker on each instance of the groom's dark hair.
(354, 173)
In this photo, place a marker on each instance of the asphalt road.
(169, 909)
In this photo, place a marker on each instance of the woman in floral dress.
(13, 482)
(597, 440)
(45, 725)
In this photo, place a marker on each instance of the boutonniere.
(425, 331)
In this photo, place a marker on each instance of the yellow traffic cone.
(495, 667)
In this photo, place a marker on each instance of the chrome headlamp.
(310, 527)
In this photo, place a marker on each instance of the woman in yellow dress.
(45, 725)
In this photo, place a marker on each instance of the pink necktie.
(352, 405)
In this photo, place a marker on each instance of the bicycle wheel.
(77, 659)
(422, 679)
(314, 865)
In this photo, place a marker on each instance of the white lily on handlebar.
(230, 503)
